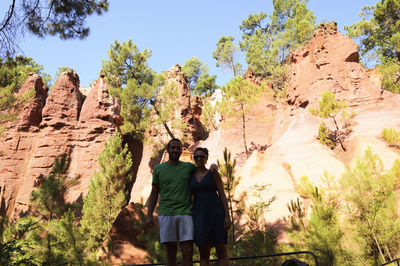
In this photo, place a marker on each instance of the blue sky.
(174, 30)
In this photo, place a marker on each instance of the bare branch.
(10, 13)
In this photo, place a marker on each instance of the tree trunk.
(338, 130)
(244, 131)
(231, 211)
(376, 241)
(233, 68)
(164, 123)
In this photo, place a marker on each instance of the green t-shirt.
(173, 184)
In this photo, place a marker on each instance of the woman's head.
(200, 156)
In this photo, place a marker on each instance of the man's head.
(174, 149)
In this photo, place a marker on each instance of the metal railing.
(392, 261)
(247, 258)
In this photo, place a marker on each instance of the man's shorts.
(176, 228)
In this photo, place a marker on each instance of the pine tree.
(321, 232)
(131, 78)
(267, 44)
(329, 108)
(371, 207)
(14, 247)
(377, 37)
(49, 201)
(201, 82)
(139, 89)
(107, 192)
(208, 116)
(42, 18)
(225, 54)
(239, 95)
(227, 172)
(49, 197)
(391, 136)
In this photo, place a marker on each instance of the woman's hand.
(214, 168)
(227, 222)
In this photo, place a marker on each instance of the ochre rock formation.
(329, 62)
(289, 132)
(64, 124)
(188, 110)
(31, 114)
(282, 135)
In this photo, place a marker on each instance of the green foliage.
(267, 44)
(54, 238)
(225, 55)
(127, 63)
(391, 136)
(239, 95)
(371, 208)
(71, 239)
(326, 136)
(390, 71)
(166, 105)
(321, 232)
(13, 73)
(208, 113)
(279, 79)
(49, 197)
(107, 192)
(329, 108)
(127, 71)
(42, 18)
(376, 36)
(293, 24)
(201, 82)
(138, 89)
(227, 172)
(14, 248)
(256, 236)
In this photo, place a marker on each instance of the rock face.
(281, 135)
(188, 110)
(31, 114)
(64, 124)
(289, 132)
(329, 62)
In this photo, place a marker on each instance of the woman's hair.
(205, 150)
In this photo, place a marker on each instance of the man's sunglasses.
(198, 157)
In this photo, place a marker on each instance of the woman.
(210, 210)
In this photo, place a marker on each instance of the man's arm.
(151, 204)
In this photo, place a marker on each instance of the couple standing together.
(206, 221)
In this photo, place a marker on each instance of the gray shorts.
(176, 228)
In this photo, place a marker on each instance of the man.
(171, 181)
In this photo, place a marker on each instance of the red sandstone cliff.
(329, 62)
(62, 122)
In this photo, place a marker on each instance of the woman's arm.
(221, 194)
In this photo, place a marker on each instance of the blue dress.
(208, 212)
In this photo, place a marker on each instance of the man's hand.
(150, 221)
(214, 168)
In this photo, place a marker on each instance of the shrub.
(391, 136)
